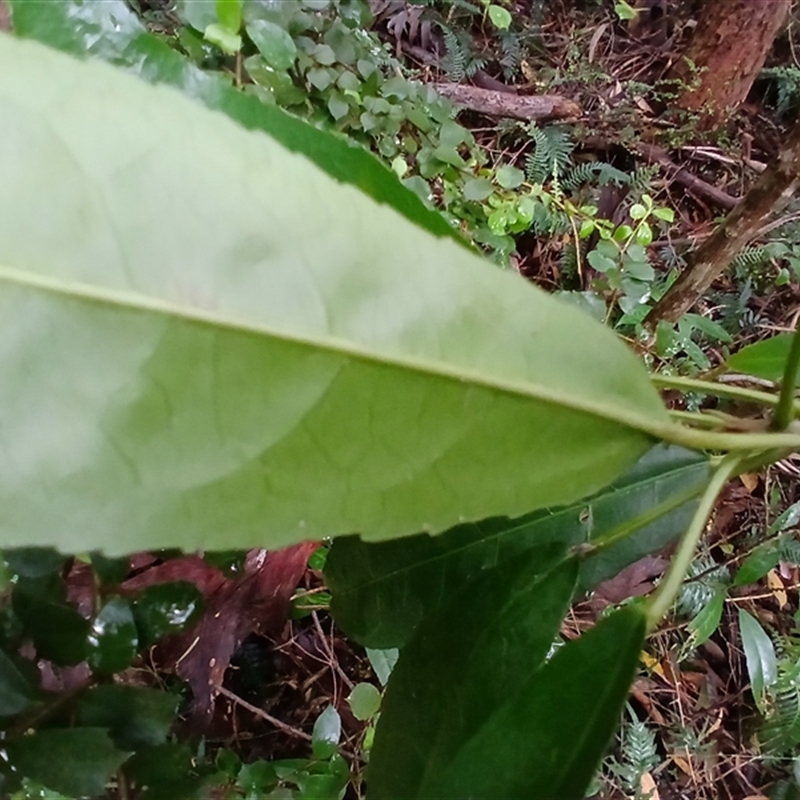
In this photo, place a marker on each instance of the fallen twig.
(685, 178)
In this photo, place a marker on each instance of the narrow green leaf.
(785, 520)
(759, 652)
(703, 626)
(206, 386)
(757, 564)
(111, 31)
(545, 742)
(364, 700)
(460, 666)
(381, 592)
(135, 716)
(766, 359)
(77, 762)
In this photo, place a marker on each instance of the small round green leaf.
(500, 17)
(273, 42)
(226, 41)
(638, 211)
(364, 700)
(477, 189)
(509, 177)
(644, 234)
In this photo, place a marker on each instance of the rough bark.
(729, 47)
(504, 104)
(773, 189)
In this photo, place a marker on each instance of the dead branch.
(511, 106)
(681, 175)
(769, 193)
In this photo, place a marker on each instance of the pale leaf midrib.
(146, 303)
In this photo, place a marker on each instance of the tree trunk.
(774, 188)
(726, 53)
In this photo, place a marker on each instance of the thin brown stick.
(685, 178)
(259, 712)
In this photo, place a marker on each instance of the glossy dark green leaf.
(113, 638)
(548, 738)
(460, 667)
(160, 766)
(165, 609)
(111, 31)
(77, 762)
(135, 716)
(58, 631)
(765, 359)
(258, 776)
(16, 693)
(210, 392)
(34, 562)
(382, 591)
(110, 571)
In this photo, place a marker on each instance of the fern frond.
(787, 84)
(474, 65)
(552, 153)
(510, 53)
(642, 179)
(704, 578)
(593, 172)
(455, 56)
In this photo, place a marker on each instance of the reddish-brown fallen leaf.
(258, 602)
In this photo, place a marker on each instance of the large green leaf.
(545, 742)
(766, 359)
(462, 665)
(381, 591)
(108, 29)
(208, 342)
